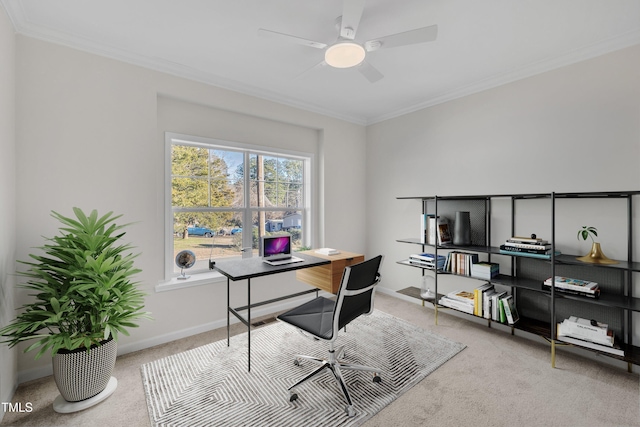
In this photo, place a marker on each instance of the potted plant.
(596, 256)
(83, 297)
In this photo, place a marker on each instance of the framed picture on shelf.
(444, 235)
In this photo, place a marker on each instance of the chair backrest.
(357, 289)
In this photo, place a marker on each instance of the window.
(222, 197)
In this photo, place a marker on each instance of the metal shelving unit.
(540, 308)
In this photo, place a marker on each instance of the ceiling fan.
(346, 52)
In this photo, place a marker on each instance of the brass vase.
(596, 256)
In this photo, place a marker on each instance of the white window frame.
(204, 277)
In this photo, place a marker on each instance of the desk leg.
(228, 310)
(249, 325)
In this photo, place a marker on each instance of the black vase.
(462, 229)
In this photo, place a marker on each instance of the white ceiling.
(480, 44)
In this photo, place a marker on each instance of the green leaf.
(81, 286)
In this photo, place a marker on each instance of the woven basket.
(81, 374)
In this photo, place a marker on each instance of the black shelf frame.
(624, 301)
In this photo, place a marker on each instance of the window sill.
(194, 280)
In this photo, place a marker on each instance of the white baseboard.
(44, 371)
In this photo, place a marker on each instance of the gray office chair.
(321, 319)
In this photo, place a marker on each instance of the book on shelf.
(573, 284)
(522, 239)
(517, 249)
(478, 297)
(428, 257)
(459, 262)
(424, 264)
(458, 305)
(485, 270)
(588, 330)
(502, 316)
(427, 260)
(495, 305)
(510, 309)
(534, 247)
(605, 345)
(595, 294)
(528, 254)
(462, 296)
(486, 303)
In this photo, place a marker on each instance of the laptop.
(276, 250)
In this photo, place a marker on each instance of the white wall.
(90, 134)
(572, 129)
(8, 359)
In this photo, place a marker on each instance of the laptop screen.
(276, 247)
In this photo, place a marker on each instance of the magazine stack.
(574, 286)
(588, 333)
(485, 270)
(527, 246)
(427, 260)
(460, 300)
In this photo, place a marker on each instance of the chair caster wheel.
(377, 379)
(350, 411)
(296, 362)
(293, 397)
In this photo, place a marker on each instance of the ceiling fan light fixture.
(344, 55)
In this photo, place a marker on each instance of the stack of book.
(588, 333)
(574, 286)
(499, 307)
(459, 300)
(485, 270)
(459, 262)
(485, 302)
(527, 246)
(427, 260)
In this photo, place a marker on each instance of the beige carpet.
(498, 380)
(210, 385)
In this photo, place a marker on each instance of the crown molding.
(578, 55)
(24, 27)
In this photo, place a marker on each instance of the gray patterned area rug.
(210, 385)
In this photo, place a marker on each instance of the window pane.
(189, 192)
(227, 173)
(292, 195)
(189, 161)
(276, 181)
(209, 235)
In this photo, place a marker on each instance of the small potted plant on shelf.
(596, 256)
(83, 297)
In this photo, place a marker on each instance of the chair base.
(335, 365)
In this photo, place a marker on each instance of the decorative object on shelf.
(462, 229)
(595, 256)
(185, 259)
(444, 234)
(82, 297)
(425, 288)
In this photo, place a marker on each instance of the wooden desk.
(327, 277)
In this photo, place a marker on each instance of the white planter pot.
(82, 374)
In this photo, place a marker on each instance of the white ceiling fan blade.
(419, 35)
(320, 64)
(291, 39)
(351, 14)
(370, 72)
